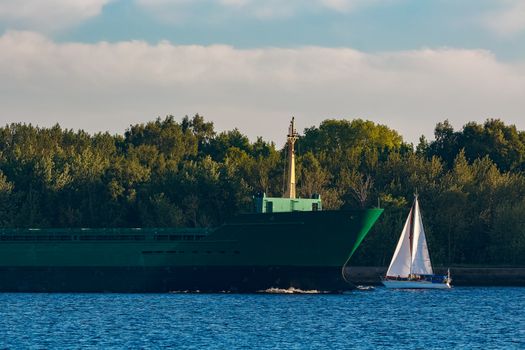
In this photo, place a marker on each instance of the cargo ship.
(287, 242)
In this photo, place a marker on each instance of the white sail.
(420, 257)
(401, 261)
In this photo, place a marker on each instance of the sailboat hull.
(414, 284)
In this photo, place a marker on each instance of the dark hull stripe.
(170, 279)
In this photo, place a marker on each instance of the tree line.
(471, 182)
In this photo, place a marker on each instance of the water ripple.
(376, 318)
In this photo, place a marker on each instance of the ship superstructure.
(288, 202)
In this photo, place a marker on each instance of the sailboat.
(410, 266)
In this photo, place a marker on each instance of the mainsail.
(411, 255)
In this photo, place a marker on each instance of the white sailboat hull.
(414, 285)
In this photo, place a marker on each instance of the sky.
(102, 65)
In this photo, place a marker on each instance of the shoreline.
(461, 276)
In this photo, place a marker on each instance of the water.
(487, 318)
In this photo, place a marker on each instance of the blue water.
(485, 318)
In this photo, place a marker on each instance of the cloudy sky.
(105, 64)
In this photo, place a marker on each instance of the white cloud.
(107, 86)
(508, 20)
(48, 15)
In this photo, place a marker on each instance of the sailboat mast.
(411, 232)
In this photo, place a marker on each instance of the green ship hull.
(253, 252)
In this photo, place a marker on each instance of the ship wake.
(291, 290)
(365, 288)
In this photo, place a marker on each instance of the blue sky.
(102, 64)
(378, 26)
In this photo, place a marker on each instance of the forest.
(169, 172)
